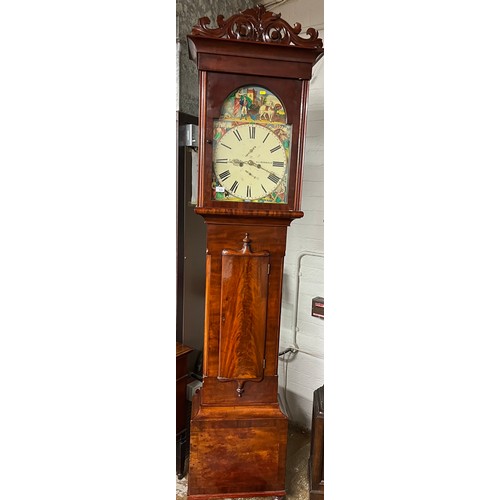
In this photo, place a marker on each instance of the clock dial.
(250, 162)
(251, 148)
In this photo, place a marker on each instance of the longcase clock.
(254, 71)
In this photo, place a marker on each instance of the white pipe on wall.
(294, 348)
(297, 291)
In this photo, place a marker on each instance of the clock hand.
(251, 150)
(237, 162)
(258, 165)
(250, 174)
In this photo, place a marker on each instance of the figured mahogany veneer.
(238, 431)
(237, 452)
(248, 296)
(243, 315)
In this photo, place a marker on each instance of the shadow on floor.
(297, 481)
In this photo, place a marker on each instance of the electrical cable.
(290, 351)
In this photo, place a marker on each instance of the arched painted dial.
(250, 161)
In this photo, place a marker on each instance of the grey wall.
(188, 13)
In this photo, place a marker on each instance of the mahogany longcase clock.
(254, 71)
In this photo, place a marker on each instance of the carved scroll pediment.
(258, 25)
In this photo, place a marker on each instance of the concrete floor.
(297, 481)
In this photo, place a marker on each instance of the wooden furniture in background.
(191, 237)
(182, 418)
(316, 458)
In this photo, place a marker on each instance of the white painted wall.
(301, 373)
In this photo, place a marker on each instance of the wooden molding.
(258, 25)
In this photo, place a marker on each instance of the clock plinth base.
(237, 452)
(255, 494)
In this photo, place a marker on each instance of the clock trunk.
(238, 430)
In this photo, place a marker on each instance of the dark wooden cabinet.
(182, 417)
(191, 236)
(316, 458)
